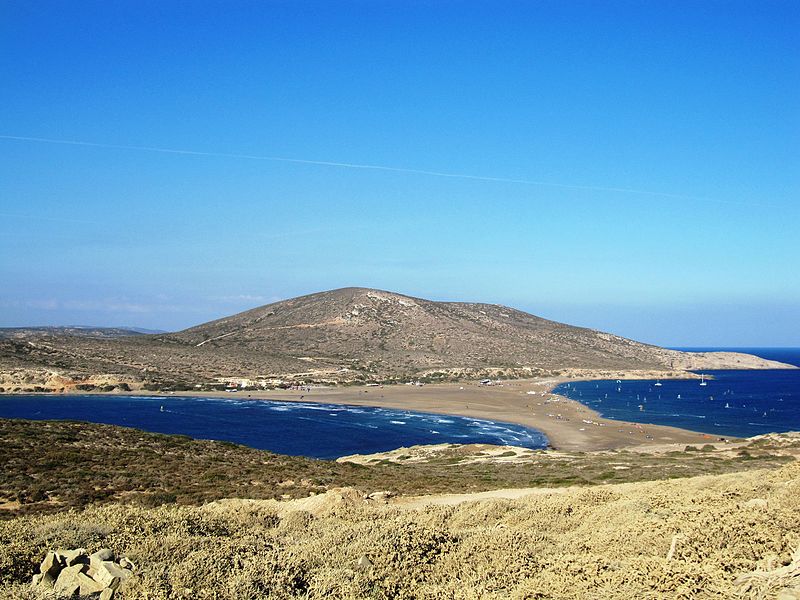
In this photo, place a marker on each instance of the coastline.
(561, 420)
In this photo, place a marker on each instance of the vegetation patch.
(51, 466)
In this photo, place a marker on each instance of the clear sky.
(628, 166)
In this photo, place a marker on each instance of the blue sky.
(669, 130)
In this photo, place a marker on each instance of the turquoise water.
(296, 428)
(733, 403)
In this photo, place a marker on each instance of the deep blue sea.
(734, 403)
(296, 428)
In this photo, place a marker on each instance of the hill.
(24, 333)
(584, 528)
(350, 334)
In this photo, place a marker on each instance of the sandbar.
(527, 402)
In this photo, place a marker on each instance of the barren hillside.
(348, 334)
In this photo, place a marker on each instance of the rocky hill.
(350, 334)
(24, 333)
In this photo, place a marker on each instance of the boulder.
(74, 557)
(74, 572)
(49, 569)
(380, 496)
(102, 554)
(89, 585)
(68, 582)
(99, 557)
(110, 574)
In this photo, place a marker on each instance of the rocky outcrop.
(78, 573)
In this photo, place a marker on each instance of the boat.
(703, 380)
(657, 383)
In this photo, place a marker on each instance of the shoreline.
(567, 424)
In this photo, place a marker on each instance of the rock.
(99, 557)
(74, 557)
(49, 569)
(89, 585)
(364, 562)
(73, 572)
(68, 583)
(126, 564)
(756, 503)
(103, 554)
(50, 560)
(380, 496)
(789, 594)
(110, 574)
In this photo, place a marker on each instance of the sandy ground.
(563, 421)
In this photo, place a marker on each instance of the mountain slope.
(356, 334)
(395, 332)
(399, 331)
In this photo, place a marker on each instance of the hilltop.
(344, 335)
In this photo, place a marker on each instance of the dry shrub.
(603, 542)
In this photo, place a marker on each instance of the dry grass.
(49, 466)
(600, 542)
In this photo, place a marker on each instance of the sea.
(732, 404)
(324, 431)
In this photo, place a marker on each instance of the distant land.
(344, 336)
(77, 330)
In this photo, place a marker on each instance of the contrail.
(53, 219)
(345, 165)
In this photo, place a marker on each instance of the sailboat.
(703, 379)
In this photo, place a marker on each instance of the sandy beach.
(568, 425)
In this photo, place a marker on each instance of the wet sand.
(562, 420)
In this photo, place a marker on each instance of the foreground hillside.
(714, 536)
(346, 335)
(52, 466)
